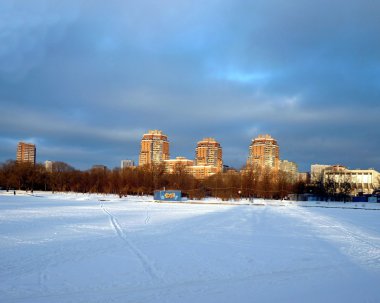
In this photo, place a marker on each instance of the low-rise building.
(187, 166)
(179, 163)
(361, 180)
(203, 171)
(127, 163)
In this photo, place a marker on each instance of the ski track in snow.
(353, 241)
(144, 260)
(147, 217)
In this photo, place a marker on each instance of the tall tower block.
(154, 148)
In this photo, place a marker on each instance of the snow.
(97, 248)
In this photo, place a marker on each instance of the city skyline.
(306, 73)
(264, 151)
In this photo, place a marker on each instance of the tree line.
(248, 183)
(328, 188)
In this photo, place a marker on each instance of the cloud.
(27, 29)
(95, 76)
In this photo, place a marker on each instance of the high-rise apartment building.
(154, 148)
(26, 152)
(264, 152)
(209, 152)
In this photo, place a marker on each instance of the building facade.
(182, 164)
(316, 172)
(178, 164)
(126, 164)
(203, 171)
(264, 152)
(290, 168)
(26, 153)
(49, 166)
(304, 177)
(208, 160)
(361, 180)
(154, 148)
(209, 153)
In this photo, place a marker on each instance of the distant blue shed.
(168, 195)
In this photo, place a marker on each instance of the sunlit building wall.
(361, 180)
(264, 152)
(316, 172)
(154, 148)
(290, 168)
(26, 153)
(209, 153)
(178, 164)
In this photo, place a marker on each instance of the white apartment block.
(291, 168)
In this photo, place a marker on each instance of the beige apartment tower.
(264, 152)
(154, 148)
(26, 153)
(209, 153)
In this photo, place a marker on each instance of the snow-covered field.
(93, 248)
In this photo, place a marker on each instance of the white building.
(291, 168)
(361, 180)
(49, 166)
(127, 163)
(316, 172)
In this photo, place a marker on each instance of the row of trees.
(249, 183)
(329, 189)
(262, 183)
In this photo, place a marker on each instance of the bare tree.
(345, 188)
(330, 186)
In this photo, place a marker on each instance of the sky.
(84, 80)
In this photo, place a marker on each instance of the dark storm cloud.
(91, 77)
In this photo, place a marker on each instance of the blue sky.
(84, 80)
